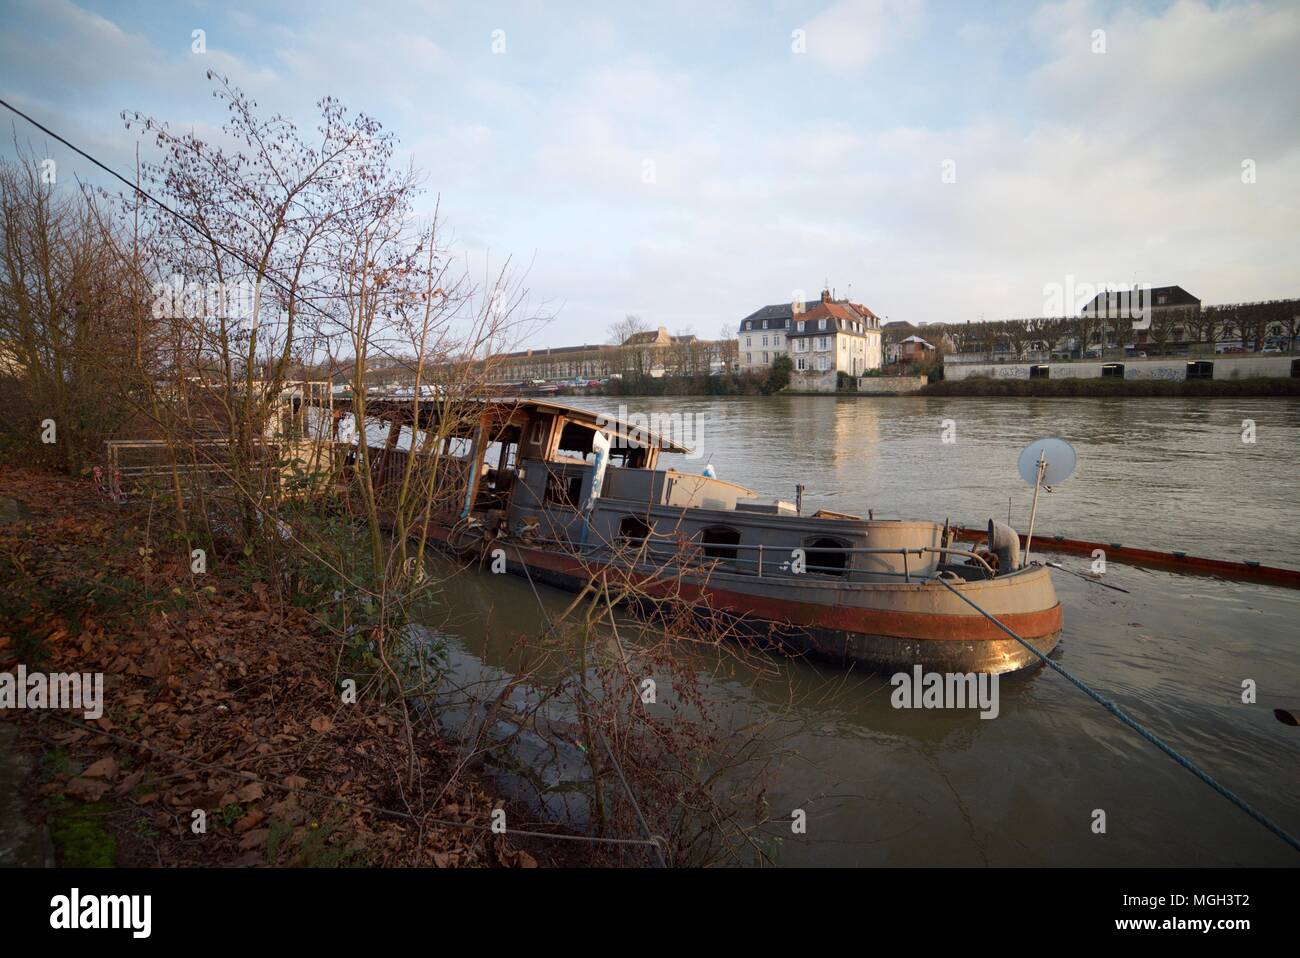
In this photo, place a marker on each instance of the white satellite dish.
(1058, 456)
(1044, 462)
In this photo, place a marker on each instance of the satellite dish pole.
(1044, 462)
(1039, 469)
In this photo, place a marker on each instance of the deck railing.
(140, 466)
(762, 564)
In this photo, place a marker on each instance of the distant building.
(651, 353)
(912, 349)
(835, 335)
(762, 334)
(657, 337)
(821, 334)
(1160, 298)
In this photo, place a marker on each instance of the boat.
(567, 493)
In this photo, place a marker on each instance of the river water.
(886, 786)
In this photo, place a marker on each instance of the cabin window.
(579, 438)
(826, 556)
(1200, 369)
(1112, 371)
(562, 490)
(535, 436)
(458, 446)
(501, 453)
(633, 529)
(1040, 372)
(720, 542)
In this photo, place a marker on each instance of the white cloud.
(770, 175)
(849, 35)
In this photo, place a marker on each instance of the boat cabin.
(546, 472)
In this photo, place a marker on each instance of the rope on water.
(1132, 723)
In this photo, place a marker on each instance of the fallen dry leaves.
(229, 687)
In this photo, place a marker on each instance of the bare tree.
(63, 326)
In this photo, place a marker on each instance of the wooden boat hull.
(883, 627)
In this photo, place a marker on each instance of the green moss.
(231, 814)
(80, 838)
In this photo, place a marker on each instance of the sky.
(688, 163)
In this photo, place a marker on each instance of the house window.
(764, 340)
(776, 340)
(749, 358)
(823, 343)
(749, 340)
(765, 324)
(1160, 300)
(765, 357)
(720, 542)
(821, 324)
(801, 325)
(800, 364)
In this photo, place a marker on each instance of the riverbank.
(1100, 388)
(218, 698)
(868, 387)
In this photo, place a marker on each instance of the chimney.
(826, 295)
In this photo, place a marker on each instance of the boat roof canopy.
(629, 433)
(506, 411)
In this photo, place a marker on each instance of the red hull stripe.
(902, 625)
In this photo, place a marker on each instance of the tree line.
(1253, 324)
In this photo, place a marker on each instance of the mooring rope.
(1136, 726)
